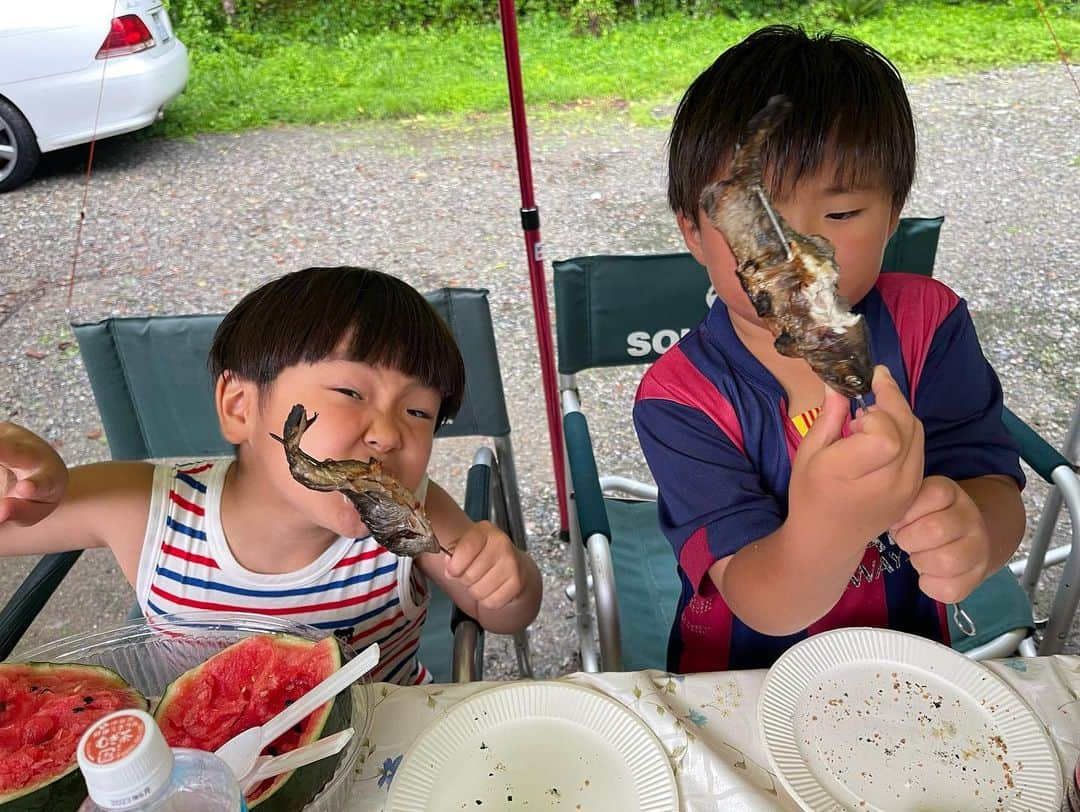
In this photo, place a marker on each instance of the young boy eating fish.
(791, 511)
(370, 356)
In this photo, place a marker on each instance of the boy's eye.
(842, 215)
(421, 413)
(351, 393)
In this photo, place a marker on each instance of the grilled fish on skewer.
(390, 510)
(791, 279)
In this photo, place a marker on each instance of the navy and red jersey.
(713, 423)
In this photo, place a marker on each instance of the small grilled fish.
(791, 279)
(390, 510)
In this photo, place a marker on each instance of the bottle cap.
(124, 759)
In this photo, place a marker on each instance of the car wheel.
(19, 151)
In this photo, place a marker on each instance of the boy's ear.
(236, 400)
(691, 235)
(894, 221)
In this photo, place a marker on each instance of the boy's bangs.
(413, 340)
(849, 109)
(860, 160)
(321, 313)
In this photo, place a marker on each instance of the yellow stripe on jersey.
(804, 421)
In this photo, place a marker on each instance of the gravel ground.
(188, 226)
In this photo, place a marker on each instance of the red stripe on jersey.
(365, 556)
(864, 605)
(705, 632)
(792, 437)
(674, 378)
(191, 507)
(918, 305)
(943, 621)
(195, 558)
(275, 610)
(198, 469)
(695, 558)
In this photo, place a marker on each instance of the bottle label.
(113, 739)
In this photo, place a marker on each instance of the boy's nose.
(382, 435)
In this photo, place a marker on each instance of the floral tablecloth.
(707, 723)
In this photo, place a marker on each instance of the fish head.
(852, 367)
(401, 530)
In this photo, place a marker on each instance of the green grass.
(241, 80)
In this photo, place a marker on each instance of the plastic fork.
(269, 766)
(241, 751)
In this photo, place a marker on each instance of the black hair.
(304, 316)
(848, 103)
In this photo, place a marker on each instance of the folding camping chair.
(152, 387)
(623, 310)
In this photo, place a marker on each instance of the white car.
(72, 71)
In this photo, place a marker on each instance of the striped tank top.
(356, 589)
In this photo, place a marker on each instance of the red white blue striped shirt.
(356, 589)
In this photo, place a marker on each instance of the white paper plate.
(877, 719)
(536, 746)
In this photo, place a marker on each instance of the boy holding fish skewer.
(372, 358)
(790, 510)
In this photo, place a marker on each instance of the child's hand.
(486, 561)
(946, 536)
(33, 478)
(855, 487)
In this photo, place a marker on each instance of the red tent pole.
(530, 222)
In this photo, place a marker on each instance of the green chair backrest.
(622, 310)
(152, 386)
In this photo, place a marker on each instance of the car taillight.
(128, 35)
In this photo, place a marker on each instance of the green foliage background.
(311, 19)
(313, 61)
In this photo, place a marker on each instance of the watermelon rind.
(65, 791)
(291, 791)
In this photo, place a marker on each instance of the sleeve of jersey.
(959, 401)
(711, 501)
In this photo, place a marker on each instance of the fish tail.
(295, 425)
(762, 124)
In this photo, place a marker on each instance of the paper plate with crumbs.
(881, 720)
(533, 746)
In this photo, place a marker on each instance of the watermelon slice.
(44, 710)
(245, 685)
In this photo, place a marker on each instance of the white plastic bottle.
(128, 766)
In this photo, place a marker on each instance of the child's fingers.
(488, 584)
(481, 566)
(949, 590)
(8, 481)
(828, 425)
(935, 495)
(876, 446)
(23, 512)
(21, 451)
(912, 469)
(886, 391)
(503, 595)
(40, 486)
(889, 399)
(461, 558)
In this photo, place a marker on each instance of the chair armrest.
(467, 662)
(1034, 450)
(591, 513)
(31, 596)
(592, 519)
